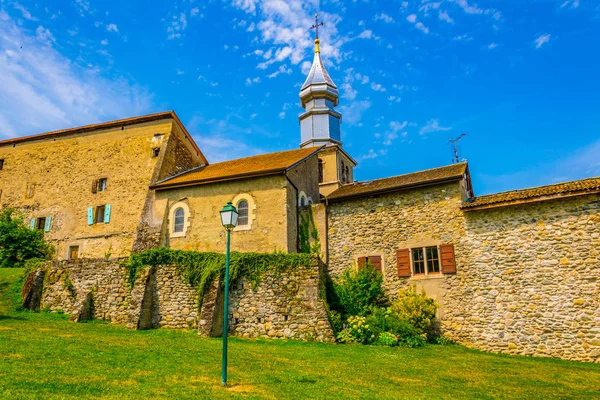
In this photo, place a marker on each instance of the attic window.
(155, 151)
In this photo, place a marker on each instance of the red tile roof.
(580, 187)
(401, 182)
(260, 165)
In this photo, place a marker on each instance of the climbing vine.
(200, 269)
(308, 235)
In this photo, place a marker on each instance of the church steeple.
(320, 123)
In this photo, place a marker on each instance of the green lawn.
(45, 356)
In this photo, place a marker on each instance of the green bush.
(383, 321)
(356, 292)
(387, 339)
(357, 331)
(415, 308)
(18, 243)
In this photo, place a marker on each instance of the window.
(30, 190)
(102, 184)
(242, 207)
(371, 261)
(99, 214)
(347, 174)
(40, 223)
(343, 173)
(155, 151)
(321, 178)
(425, 260)
(179, 220)
(1, 163)
(73, 252)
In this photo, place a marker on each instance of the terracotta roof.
(260, 165)
(106, 125)
(566, 189)
(400, 182)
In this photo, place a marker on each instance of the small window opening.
(242, 207)
(321, 178)
(102, 184)
(1, 163)
(155, 151)
(40, 223)
(100, 214)
(73, 252)
(179, 222)
(343, 173)
(285, 318)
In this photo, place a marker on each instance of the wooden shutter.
(94, 185)
(375, 262)
(48, 224)
(362, 262)
(403, 262)
(32, 223)
(447, 257)
(90, 214)
(107, 213)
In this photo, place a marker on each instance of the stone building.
(513, 272)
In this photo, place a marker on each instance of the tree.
(18, 243)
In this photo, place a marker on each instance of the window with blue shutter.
(32, 224)
(48, 224)
(107, 213)
(90, 215)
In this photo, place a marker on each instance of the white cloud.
(492, 46)
(474, 9)
(443, 15)
(384, 17)
(377, 87)
(254, 115)
(251, 81)
(305, 67)
(283, 69)
(572, 3)
(366, 34)
(282, 115)
(112, 28)
(465, 38)
(412, 18)
(539, 42)
(433, 125)
(392, 133)
(370, 155)
(177, 25)
(44, 35)
(195, 11)
(104, 42)
(43, 90)
(353, 112)
(26, 14)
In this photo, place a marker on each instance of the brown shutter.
(403, 262)
(362, 262)
(94, 186)
(448, 261)
(375, 262)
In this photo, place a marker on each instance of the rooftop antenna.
(455, 158)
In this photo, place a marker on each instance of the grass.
(44, 355)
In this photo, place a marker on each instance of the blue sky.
(521, 78)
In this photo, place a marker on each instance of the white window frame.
(186, 219)
(251, 210)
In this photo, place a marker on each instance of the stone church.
(515, 272)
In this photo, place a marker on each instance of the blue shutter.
(90, 215)
(32, 224)
(48, 224)
(107, 213)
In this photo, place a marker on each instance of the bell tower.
(320, 122)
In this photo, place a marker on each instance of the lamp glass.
(229, 216)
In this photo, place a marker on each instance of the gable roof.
(106, 125)
(401, 182)
(565, 189)
(248, 167)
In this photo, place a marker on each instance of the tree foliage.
(356, 292)
(18, 243)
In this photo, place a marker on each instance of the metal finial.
(316, 28)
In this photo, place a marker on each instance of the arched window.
(302, 201)
(242, 207)
(179, 220)
(343, 173)
(321, 178)
(347, 174)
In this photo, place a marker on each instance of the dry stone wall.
(283, 305)
(528, 276)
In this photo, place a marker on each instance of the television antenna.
(455, 158)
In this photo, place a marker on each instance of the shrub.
(415, 308)
(335, 318)
(357, 331)
(356, 292)
(383, 321)
(18, 243)
(387, 339)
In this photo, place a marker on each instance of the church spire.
(320, 123)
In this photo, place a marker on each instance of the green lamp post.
(229, 218)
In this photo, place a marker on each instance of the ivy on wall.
(308, 235)
(201, 269)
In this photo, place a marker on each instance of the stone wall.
(283, 305)
(527, 276)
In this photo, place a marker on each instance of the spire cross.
(316, 26)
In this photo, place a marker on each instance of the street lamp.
(229, 217)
